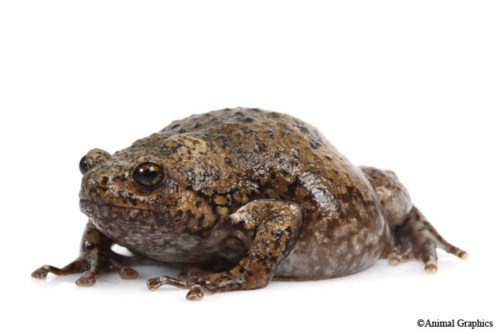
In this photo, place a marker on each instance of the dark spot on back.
(261, 147)
(222, 138)
(247, 120)
(303, 129)
(314, 144)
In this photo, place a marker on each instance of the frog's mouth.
(106, 211)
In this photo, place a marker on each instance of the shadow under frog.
(240, 197)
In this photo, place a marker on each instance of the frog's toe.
(196, 293)
(127, 273)
(41, 273)
(429, 257)
(87, 279)
(394, 259)
(454, 250)
(154, 283)
(76, 266)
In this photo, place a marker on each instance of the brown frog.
(240, 197)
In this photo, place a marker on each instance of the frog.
(237, 198)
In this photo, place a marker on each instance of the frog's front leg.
(96, 257)
(275, 226)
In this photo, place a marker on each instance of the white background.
(411, 86)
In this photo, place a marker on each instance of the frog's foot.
(197, 295)
(195, 278)
(418, 235)
(96, 257)
(91, 269)
(207, 285)
(274, 226)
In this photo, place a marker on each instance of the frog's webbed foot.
(416, 237)
(274, 225)
(96, 257)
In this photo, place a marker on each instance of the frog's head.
(135, 198)
(128, 185)
(145, 197)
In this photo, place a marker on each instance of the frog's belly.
(332, 252)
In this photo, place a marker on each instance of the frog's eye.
(92, 158)
(148, 175)
(84, 165)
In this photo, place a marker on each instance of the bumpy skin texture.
(249, 195)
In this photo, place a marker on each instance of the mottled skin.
(243, 196)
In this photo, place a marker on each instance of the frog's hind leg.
(411, 234)
(416, 237)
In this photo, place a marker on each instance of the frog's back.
(240, 155)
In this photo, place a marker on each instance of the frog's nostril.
(104, 182)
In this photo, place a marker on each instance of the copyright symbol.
(420, 322)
